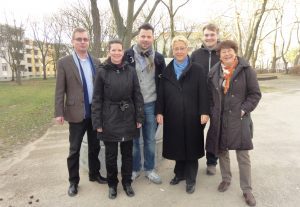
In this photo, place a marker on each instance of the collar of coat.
(242, 65)
(108, 65)
(170, 75)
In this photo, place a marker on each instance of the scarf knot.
(227, 73)
(179, 67)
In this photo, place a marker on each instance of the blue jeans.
(148, 130)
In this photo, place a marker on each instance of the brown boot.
(224, 185)
(249, 198)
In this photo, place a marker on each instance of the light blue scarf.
(179, 67)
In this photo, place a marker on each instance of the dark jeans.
(77, 131)
(111, 157)
(211, 159)
(187, 169)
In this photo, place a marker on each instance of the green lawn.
(26, 112)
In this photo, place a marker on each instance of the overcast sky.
(21, 9)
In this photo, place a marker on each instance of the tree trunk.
(254, 36)
(18, 76)
(125, 32)
(12, 74)
(96, 47)
(296, 61)
(44, 71)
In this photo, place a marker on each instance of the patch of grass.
(267, 89)
(26, 112)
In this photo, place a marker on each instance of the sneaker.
(135, 175)
(211, 170)
(153, 177)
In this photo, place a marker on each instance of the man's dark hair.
(227, 44)
(146, 26)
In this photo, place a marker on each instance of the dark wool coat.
(228, 130)
(207, 58)
(117, 103)
(182, 102)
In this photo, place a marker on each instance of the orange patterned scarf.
(228, 71)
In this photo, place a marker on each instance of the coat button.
(229, 111)
(232, 95)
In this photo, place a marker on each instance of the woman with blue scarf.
(182, 108)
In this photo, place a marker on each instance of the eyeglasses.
(79, 39)
(177, 49)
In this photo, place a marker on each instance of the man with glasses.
(73, 97)
(207, 56)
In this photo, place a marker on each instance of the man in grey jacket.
(149, 65)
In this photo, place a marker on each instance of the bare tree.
(188, 29)
(275, 57)
(12, 48)
(172, 12)
(247, 49)
(42, 40)
(96, 46)
(59, 49)
(285, 48)
(77, 15)
(297, 57)
(125, 32)
(109, 30)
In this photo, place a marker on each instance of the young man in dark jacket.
(149, 65)
(207, 57)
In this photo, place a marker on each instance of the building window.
(36, 61)
(28, 60)
(4, 67)
(28, 51)
(36, 52)
(37, 69)
(29, 69)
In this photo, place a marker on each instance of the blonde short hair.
(180, 38)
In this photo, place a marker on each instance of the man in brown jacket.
(73, 97)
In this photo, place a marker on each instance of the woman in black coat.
(117, 114)
(233, 93)
(182, 107)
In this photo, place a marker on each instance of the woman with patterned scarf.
(233, 94)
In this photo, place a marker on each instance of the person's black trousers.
(187, 169)
(77, 131)
(111, 157)
(211, 159)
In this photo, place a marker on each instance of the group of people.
(126, 96)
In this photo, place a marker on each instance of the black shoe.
(190, 188)
(176, 180)
(73, 190)
(128, 190)
(112, 192)
(99, 179)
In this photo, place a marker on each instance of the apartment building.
(31, 65)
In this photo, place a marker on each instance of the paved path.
(37, 175)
